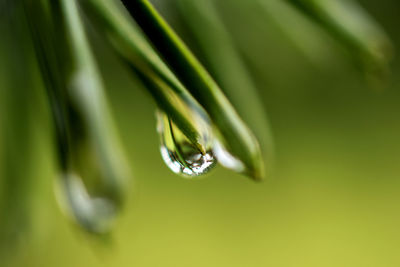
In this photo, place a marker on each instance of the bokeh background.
(333, 198)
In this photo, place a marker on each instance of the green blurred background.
(332, 200)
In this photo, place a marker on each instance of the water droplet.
(90, 187)
(95, 213)
(181, 155)
(226, 159)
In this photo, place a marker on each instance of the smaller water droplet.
(90, 186)
(182, 156)
(226, 159)
(95, 213)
